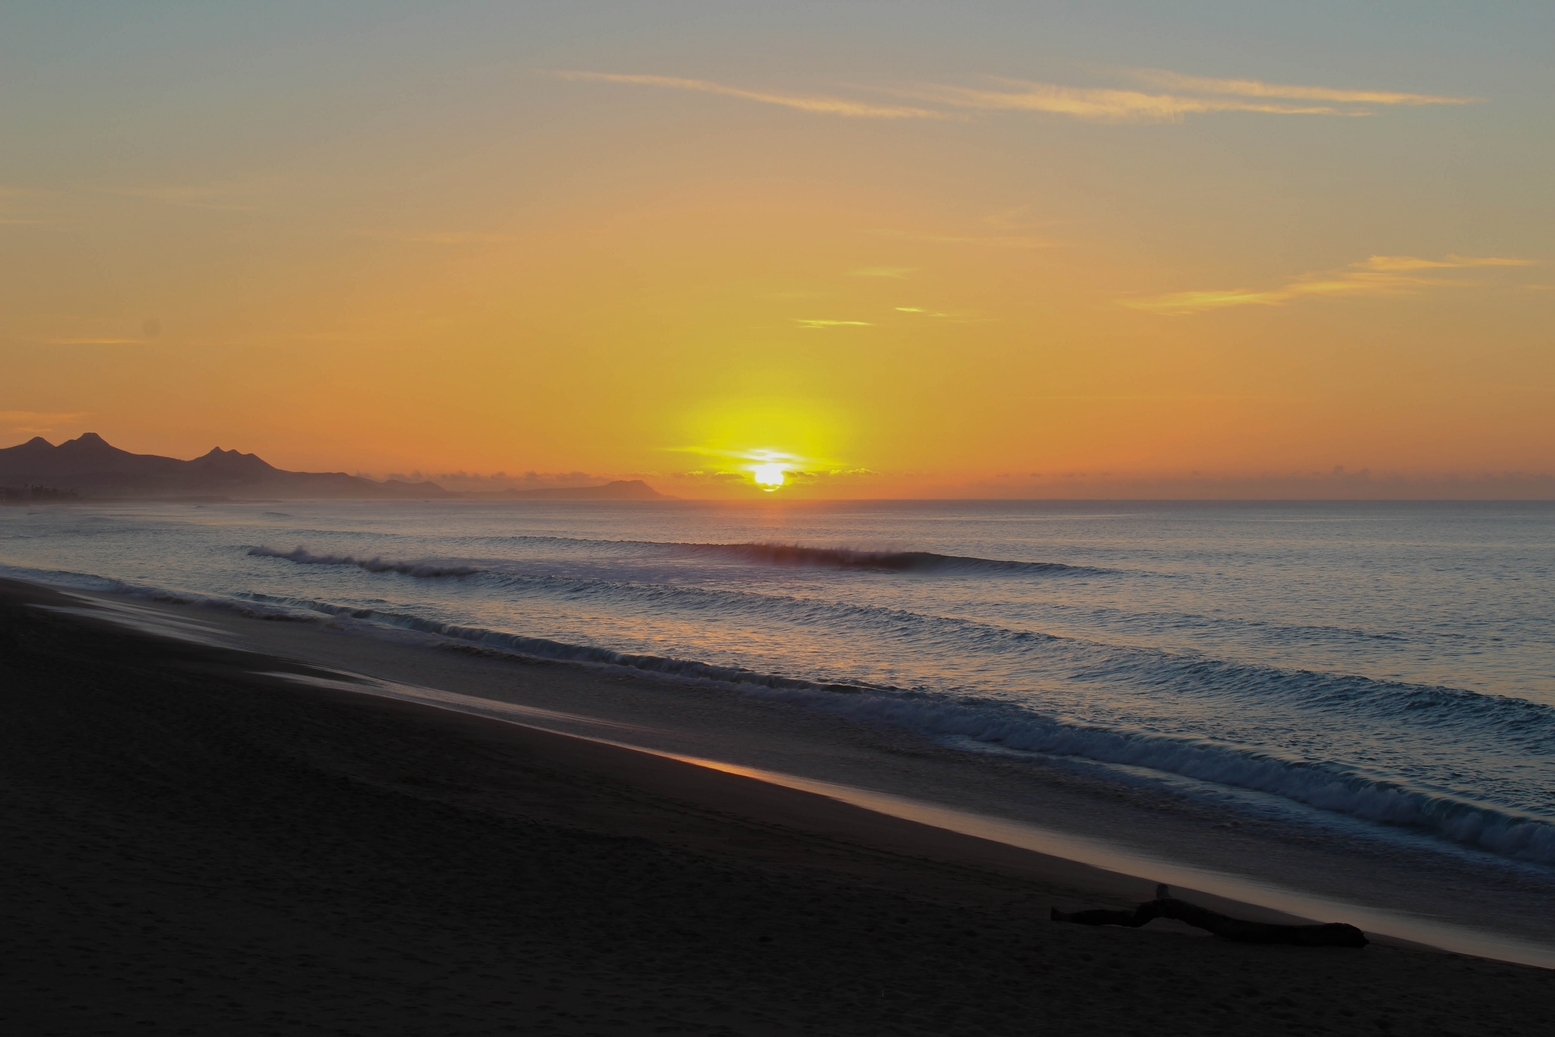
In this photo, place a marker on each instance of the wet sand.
(190, 848)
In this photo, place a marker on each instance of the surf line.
(1080, 849)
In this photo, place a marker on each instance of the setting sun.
(1032, 451)
(769, 476)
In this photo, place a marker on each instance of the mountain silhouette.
(94, 468)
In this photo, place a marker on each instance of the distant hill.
(92, 468)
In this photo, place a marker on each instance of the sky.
(1033, 249)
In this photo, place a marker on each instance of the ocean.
(1370, 681)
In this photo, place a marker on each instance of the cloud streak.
(819, 324)
(1104, 104)
(1177, 96)
(818, 104)
(1374, 276)
(1449, 262)
(1258, 88)
(1184, 95)
(953, 318)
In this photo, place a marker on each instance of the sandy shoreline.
(1394, 884)
(199, 848)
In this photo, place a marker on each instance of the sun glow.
(768, 476)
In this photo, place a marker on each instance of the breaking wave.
(1326, 786)
(303, 556)
(890, 561)
(755, 553)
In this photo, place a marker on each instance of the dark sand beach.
(191, 848)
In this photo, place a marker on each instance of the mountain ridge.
(95, 469)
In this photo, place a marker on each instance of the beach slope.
(187, 846)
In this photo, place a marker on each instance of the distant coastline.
(90, 468)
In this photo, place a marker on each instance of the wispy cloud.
(816, 324)
(1449, 262)
(1377, 275)
(1177, 97)
(817, 103)
(1182, 96)
(1105, 104)
(954, 318)
(881, 271)
(1258, 88)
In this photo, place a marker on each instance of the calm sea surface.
(1390, 665)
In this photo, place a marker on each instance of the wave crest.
(757, 553)
(889, 561)
(1326, 787)
(425, 570)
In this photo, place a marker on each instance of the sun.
(768, 476)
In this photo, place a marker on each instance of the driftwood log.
(1332, 934)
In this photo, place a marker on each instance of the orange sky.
(937, 263)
